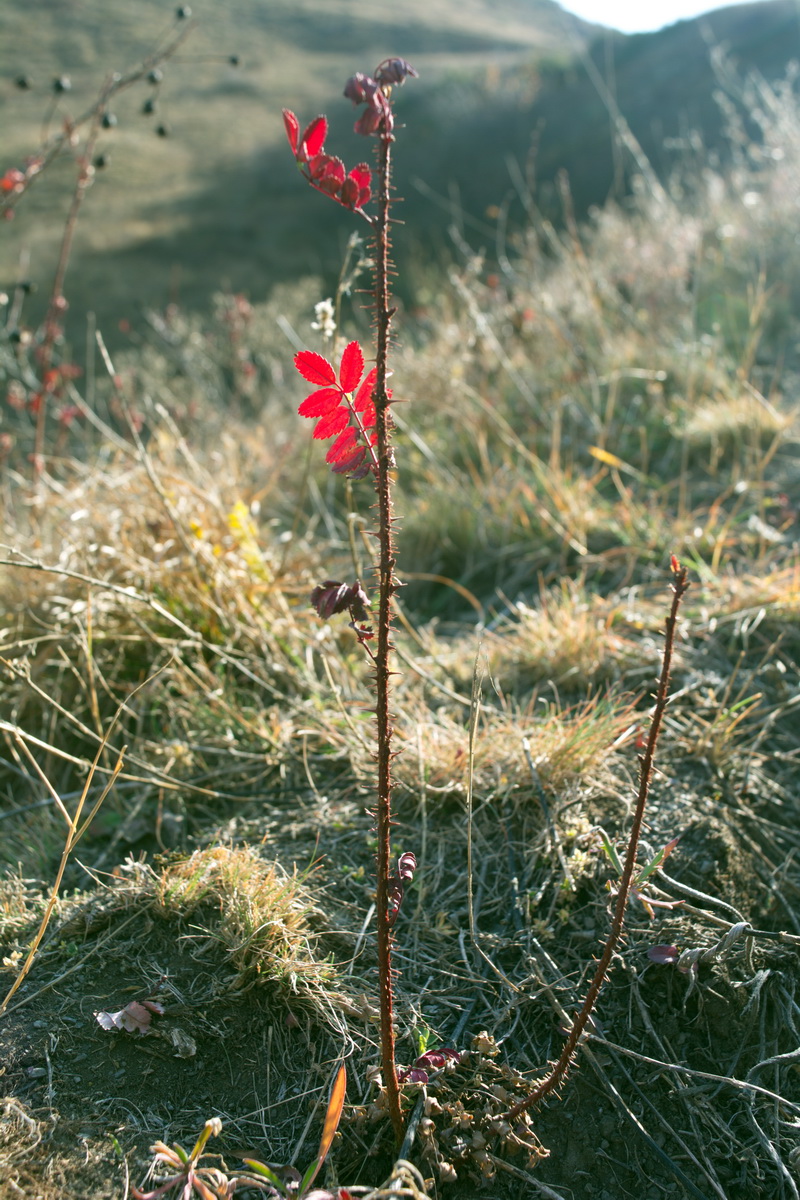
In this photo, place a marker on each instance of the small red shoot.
(325, 172)
(406, 866)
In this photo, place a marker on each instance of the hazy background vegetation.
(509, 95)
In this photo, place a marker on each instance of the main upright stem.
(387, 588)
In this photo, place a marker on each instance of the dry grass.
(573, 418)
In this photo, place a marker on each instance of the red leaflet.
(361, 175)
(310, 144)
(343, 447)
(314, 137)
(327, 172)
(292, 129)
(314, 367)
(332, 423)
(321, 402)
(364, 394)
(351, 368)
(355, 465)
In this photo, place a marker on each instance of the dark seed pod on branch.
(62, 83)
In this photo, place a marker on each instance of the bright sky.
(639, 16)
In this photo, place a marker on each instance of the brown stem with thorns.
(383, 673)
(559, 1071)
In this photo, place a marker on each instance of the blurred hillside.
(504, 87)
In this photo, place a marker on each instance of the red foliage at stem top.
(324, 171)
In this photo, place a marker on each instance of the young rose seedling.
(354, 410)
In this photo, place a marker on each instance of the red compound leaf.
(349, 421)
(352, 367)
(314, 367)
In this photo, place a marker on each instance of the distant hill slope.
(663, 84)
(217, 202)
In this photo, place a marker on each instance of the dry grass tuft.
(567, 744)
(260, 913)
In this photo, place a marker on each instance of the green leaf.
(260, 1168)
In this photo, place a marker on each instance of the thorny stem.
(387, 588)
(556, 1076)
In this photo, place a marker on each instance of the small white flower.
(324, 318)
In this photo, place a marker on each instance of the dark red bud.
(395, 71)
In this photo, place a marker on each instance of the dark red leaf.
(349, 194)
(353, 464)
(331, 424)
(343, 445)
(361, 175)
(292, 129)
(324, 168)
(352, 367)
(314, 137)
(330, 597)
(412, 1075)
(359, 602)
(329, 185)
(362, 471)
(321, 402)
(314, 367)
(406, 866)
(435, 1059)
(361, 181)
